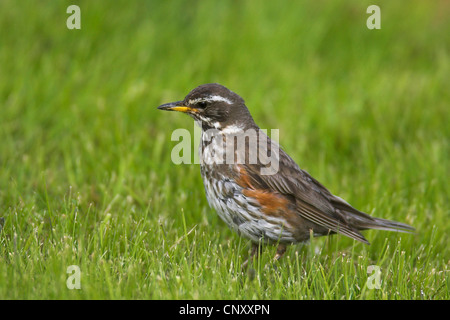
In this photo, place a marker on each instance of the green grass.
(86, 176)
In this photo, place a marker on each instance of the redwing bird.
(279, 206)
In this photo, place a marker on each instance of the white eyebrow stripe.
(194, 101)
(214, 98)
(219, 98)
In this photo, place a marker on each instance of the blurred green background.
(86, 175)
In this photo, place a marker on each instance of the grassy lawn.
(86, 176)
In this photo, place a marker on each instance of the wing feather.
(313, 201)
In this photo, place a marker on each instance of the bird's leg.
(256, 248)
(280, 251)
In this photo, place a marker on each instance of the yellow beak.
(177, 106)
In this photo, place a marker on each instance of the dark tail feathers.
(388, 225)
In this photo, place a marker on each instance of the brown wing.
(313, 201)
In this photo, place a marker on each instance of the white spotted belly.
(241, 213)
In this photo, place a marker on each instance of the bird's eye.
(202, 104)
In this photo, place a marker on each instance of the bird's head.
(214, 106)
